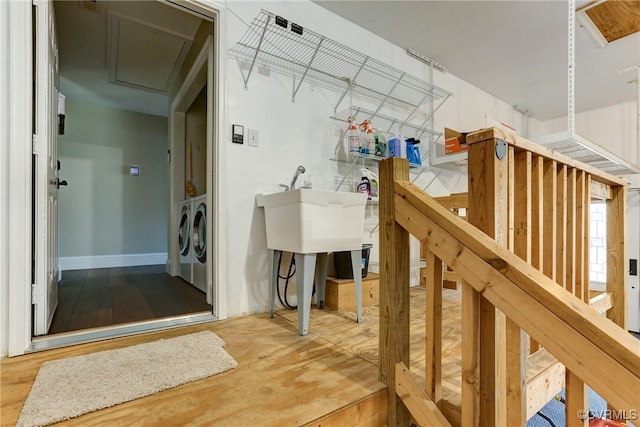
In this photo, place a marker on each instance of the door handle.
(62, 183)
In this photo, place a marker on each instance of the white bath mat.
(70, 387)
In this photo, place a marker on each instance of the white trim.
(4, 173)
(588, 24)
(114, 18)
(216, 229)
(110, 261)
(216, 232)
(117, 331)
(19, 184)
(193, 83)
(214, 198)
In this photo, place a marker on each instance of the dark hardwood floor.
(112, 296)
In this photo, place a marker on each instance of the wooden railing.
(526, 234)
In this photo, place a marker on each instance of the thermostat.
(134, 170)
(237, 134)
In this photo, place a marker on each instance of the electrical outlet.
(252, 137)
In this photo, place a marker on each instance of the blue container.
(413, 154)
(394, 147)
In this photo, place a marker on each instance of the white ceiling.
(514, 50)
(144, 51)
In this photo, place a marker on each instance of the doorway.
(116, 216)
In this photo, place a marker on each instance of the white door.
(45, 182)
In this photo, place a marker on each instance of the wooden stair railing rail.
(502, 292)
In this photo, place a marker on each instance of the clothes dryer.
(185, 251)
(199, 242)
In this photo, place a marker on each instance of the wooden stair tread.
(600, 301)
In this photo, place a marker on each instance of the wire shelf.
(384, 123)
(321, 61)
(347, 171)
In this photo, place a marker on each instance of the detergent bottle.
(382, 149)
(373, 183)
(365, 185)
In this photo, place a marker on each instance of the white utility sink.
(313, 221)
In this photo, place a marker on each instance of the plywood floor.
(282, 378)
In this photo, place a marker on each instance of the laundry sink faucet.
(299, 170)
(292, 186)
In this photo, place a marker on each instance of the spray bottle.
(354, 136)
(368, 143)
(373, 180)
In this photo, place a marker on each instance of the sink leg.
(356, 265)
(321, 278)
(273, 279)
(305, 266)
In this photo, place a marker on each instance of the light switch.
(252, 137)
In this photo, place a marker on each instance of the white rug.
(70, 387)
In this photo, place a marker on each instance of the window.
(598, 242)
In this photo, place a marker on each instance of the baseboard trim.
(110, 261)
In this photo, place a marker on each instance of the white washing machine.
(199, 242)
(185, 252)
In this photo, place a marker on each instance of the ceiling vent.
(142, 54)
(610, 20)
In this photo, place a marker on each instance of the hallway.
(112, 296)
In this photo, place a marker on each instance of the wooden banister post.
(394, 288)
(576, 394)
(488, 211)
(617, 255)
(433, 325)
(537, 222)
(520, 207)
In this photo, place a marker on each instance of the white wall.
(104, 210)
(613, 127)
(301, 133)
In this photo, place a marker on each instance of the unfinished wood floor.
(112, 296)
(282, 378)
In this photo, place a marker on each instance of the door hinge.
(36, 294)
(34, 144)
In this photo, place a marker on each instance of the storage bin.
(342, 262)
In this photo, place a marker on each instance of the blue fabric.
(555, 411)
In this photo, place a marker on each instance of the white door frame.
(199, 76)
(633, 244)
(18, 304)
(20, 152)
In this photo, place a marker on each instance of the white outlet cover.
(252, 137)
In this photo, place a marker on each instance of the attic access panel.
(144, 55)
(609, 20)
